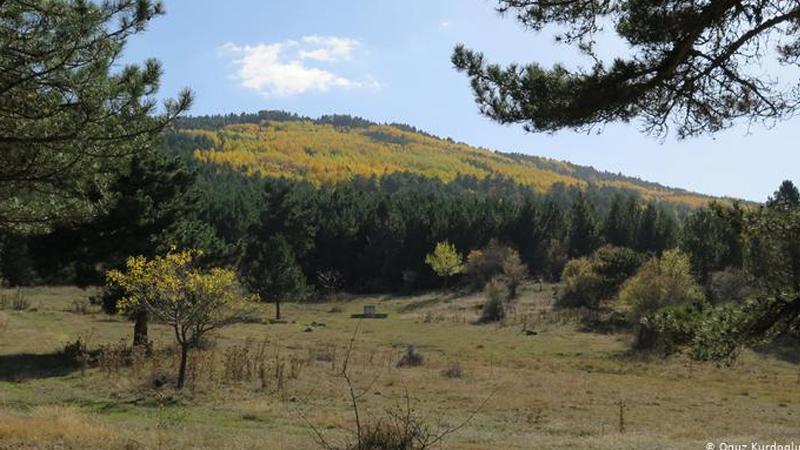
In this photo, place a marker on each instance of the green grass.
(556, 389)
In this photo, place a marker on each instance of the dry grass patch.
(56, 424)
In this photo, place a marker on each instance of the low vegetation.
(264, 383)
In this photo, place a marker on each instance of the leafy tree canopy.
(445, 260)
(190, 300)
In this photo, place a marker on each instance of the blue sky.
(389, 61)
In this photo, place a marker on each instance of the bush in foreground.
(661, 282)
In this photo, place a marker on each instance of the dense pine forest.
(366, 225)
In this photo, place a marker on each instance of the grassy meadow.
(540, 380)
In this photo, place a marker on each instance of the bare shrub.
(237, 363)
(411, 358)
(80, 306)
(140, 354)
(17, 301)
(112, 358)
(77, 353)
(433, 317)
(496, 292)
(398, 430)
(243, 362)
(492, 260)
(330, 280)
(200, 367)
(20, 302)
(453, 370)
(280, 379)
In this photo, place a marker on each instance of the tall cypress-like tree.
(699, 239)
(646, 229)
(582, 237)
(620, 222)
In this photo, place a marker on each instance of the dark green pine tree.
(700, 240)
(620, 222)
(269, 268)
(70, 122)
(292, 210)
(647, 229)
(686, 68)
(772, 260)
(787, 196)
(582, 234)
(666, 231)
(524, 233)
(156, 207)
(775, 229)
(16, 264)
(279, 241)
(732, 220)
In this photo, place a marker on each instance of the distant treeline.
(369, 234)
(216, 122)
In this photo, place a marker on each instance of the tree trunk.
(141, 320)
(277, 310)
(182, 369)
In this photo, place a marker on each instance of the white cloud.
(444, 23)
(281, 69)
(328, 48)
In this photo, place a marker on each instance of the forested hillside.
(333, 149)
(342, 203)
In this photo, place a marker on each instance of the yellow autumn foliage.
(324, 154)
(173, 289)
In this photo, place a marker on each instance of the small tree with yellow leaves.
(445, 261)
(174, 290)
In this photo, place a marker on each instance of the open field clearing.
(261, 385)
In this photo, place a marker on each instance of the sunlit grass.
(557, 388)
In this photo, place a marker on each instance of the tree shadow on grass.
(785, 348)
(606, 323)
(29, 366)
(428, 302)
